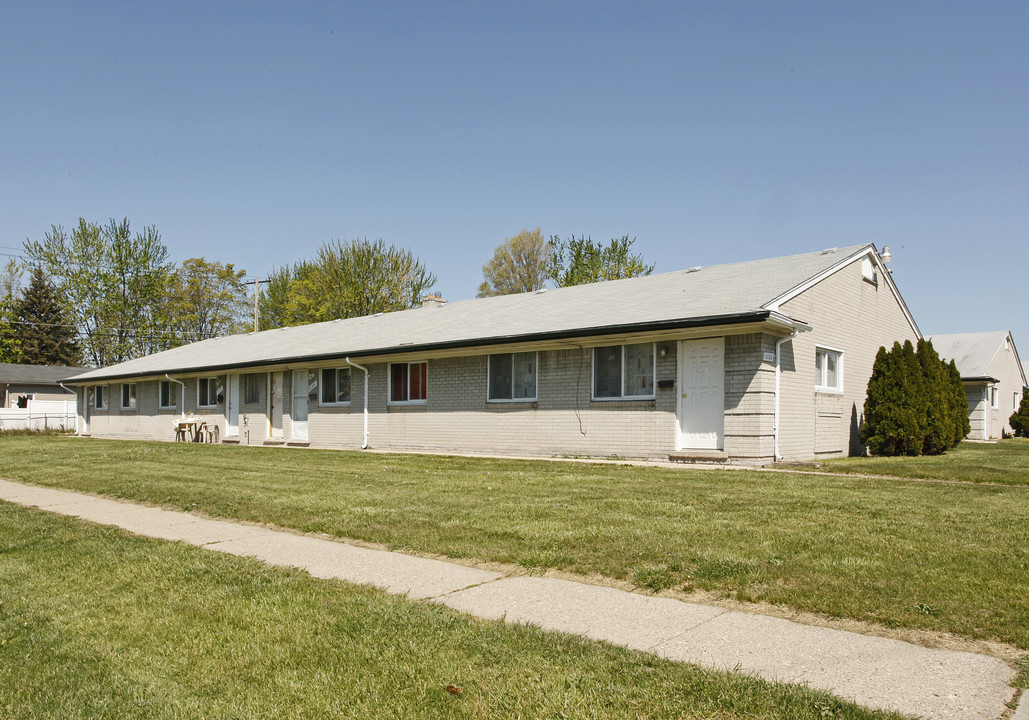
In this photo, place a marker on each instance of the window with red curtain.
(407, 382)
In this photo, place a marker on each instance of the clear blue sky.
(713, 132)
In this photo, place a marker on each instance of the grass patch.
(1005, 462)
(95, 623)
(935, 556)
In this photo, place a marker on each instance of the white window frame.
(204, 402)
(389, 384)
(321, 387)
(173, 389)
(994, 397)
(623, 397)
(822, 370)
(513, 399)
(131, 387)
(99, 397)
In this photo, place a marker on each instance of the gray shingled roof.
(14, 374)
(971, 352)
(710, 295)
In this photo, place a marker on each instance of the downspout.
(778, 375)
(361, 367)
(183, 392)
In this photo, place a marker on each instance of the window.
(209, 392)
(128, 396)
(407, 382)
(828, 370)
(169, 394)
(335, 386)
(251, 388)
(100, 397)
(1014, 401)
(994, 398)
(512, 376)
(624, 371)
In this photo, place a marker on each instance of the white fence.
(40, 415)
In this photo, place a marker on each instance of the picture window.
(624, 371)
(335, 386)
(407, 382)
(512, 376)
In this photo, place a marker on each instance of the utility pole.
(257, 285)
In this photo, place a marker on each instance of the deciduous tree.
(116, 285)
(346, 279)
(10, 344)
(208, 299)
(577, 261)
(519, 264)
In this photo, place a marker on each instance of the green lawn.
(1006, 462)
(95, 624)
(901, 553)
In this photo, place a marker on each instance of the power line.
(108, 333)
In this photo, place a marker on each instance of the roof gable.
(974, 353)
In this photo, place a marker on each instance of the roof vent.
(541, 291)
(830, 251)
(695, 268)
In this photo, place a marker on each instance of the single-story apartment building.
(992, 374)
(749, 363)
(21, 383)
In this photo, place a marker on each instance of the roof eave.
(776, 319)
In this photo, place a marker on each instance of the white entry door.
(702, 394)
(232, 407)
(275, 405)
(300, 405)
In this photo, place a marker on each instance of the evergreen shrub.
(915, 403)
(1019, 419)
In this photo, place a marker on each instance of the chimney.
(433, 300)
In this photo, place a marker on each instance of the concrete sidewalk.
(871, 671)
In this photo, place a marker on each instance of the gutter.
(361, 367)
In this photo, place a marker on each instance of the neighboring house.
(992, 374)
(20, 383)
(744, 362)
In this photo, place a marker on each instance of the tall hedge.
(915, 403)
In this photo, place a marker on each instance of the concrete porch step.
(705, 456)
